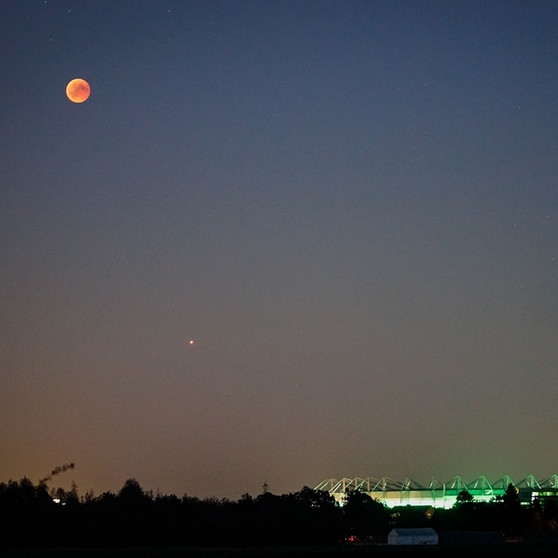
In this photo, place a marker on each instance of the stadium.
(440, 495)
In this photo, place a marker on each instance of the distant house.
(419, 535)
(471, 538)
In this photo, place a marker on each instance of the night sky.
(349, 207)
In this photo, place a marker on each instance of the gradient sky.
(351, 207)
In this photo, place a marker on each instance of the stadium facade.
(440, 495)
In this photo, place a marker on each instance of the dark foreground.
(356, 551)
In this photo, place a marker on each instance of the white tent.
(422, 535)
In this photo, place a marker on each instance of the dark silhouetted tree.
(514, 514)
(463, 497)
(364, 516)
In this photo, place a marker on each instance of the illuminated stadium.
(439, 495)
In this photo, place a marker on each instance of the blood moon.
(78, 90)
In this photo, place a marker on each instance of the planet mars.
(78, 90)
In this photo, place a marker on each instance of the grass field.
(371, 551)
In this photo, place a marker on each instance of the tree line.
(33, 515)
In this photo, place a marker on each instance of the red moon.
(78, 90)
